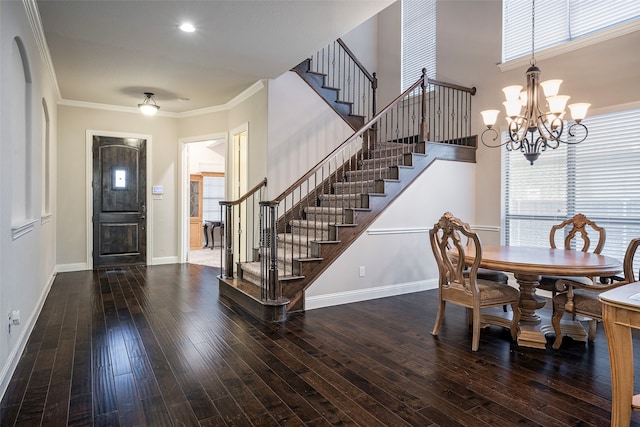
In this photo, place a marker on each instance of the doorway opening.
(204, 166)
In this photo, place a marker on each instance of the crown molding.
(31, 8)
(246, 94)
(109, 107)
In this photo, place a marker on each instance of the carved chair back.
(576, 229)
(451, 240)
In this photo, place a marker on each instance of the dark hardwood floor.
(156, 346)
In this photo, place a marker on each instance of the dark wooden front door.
(119, 201)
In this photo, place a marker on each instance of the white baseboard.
(80, 266)
(347, 297)
(24, 330)
(65, 268)
(165, 260)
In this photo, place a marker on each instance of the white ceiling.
(110, 52)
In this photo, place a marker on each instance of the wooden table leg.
(529, 301)
(620, 345)
(530, 334)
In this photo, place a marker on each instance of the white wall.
(205, 159)
(395, 250)
(27, 262)
(302, 130)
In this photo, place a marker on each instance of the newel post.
(270, 289)
(228, 240)
(424, 124)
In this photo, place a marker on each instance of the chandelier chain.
(533, 33)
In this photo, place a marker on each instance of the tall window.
(418, 40)
(212, 195)
(599, 178)
(559, 21)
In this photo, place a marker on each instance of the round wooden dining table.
(528, 264)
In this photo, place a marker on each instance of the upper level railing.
(345, 72)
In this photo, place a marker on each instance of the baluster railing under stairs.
(242, 229)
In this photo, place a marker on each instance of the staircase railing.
(345, 72)
(242, 228)
(321, 197)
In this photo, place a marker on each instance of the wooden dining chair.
(451, 239)
(582, 299)
(575, 230)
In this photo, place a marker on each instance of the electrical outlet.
(15, 317)
(362, 271)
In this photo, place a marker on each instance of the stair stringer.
(359, 220)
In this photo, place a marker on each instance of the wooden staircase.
(320, 215)
(309, 245)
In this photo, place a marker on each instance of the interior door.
(195, 212)
(119, 197)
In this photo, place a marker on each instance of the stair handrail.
(228, 206)
(423, 80)
(372, 77)
(344, 71)
(245, 196)
(404, 108)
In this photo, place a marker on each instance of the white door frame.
(243, 174)
(183, 190)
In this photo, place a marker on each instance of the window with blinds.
(212, 195)
(599, 177)
(559, 21)
(418, 40)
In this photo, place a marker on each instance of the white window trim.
(570, 46)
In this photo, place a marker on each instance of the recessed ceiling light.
(187, 27)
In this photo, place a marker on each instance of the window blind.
(212, 194)
(599, 177)
(418, 40)
(558, 21)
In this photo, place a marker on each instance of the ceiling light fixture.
(187, 27)
(525, 113)
(148, 105)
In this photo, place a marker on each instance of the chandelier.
(527, 112)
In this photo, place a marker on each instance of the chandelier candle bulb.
(511, 93)
(512, 108)
(579, 111)
(551, 87)
(557, 103)
(489, 117)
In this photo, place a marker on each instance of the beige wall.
(73, 124)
